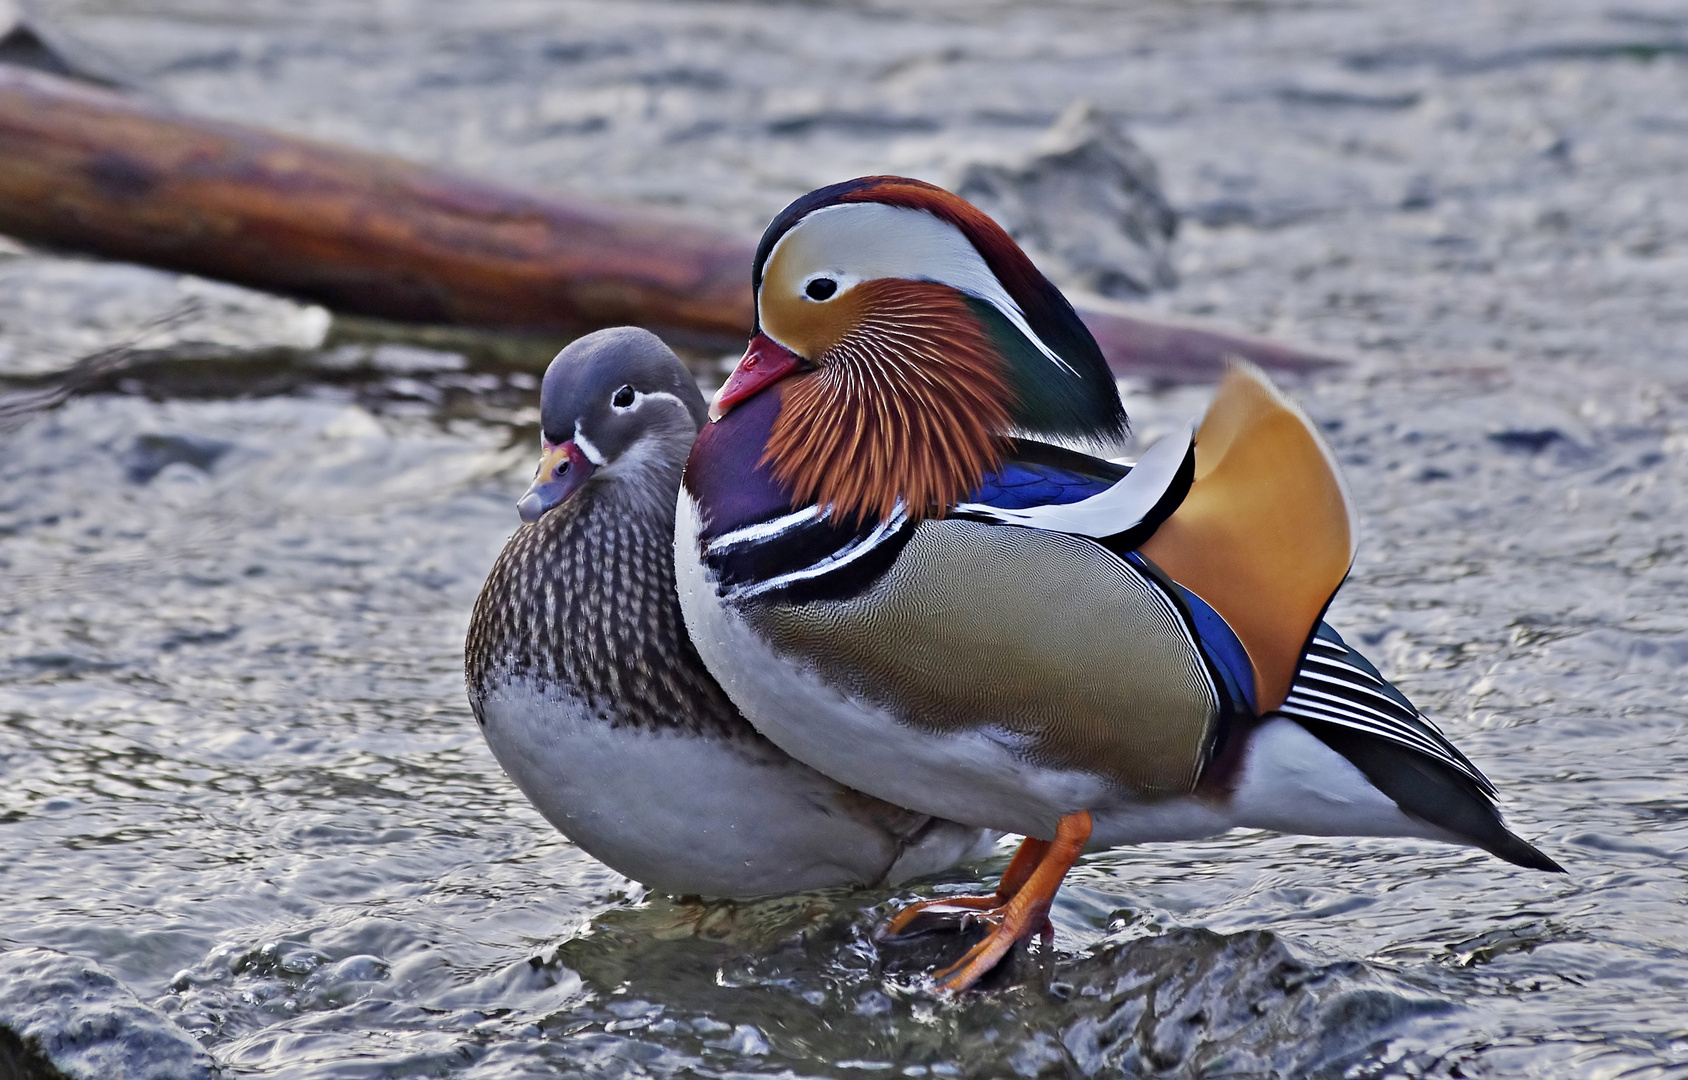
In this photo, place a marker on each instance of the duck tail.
(1433, 792)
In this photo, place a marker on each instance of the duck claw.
(929, 916)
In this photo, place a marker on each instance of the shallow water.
(239, 768)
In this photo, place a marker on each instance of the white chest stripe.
(840, 558)
(762, 530)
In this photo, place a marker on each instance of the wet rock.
(1087, 205)
(152, 453)
(1184, 1002)
(392, 357)
(1347, 98)
(1195, 1002)
(64, 1018)
(27, 41)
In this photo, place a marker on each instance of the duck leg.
(1027, 911)
(1027, 856)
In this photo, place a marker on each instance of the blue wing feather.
(1020, 484)
(1058, 490)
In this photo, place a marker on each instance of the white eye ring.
(633, 398)
(817, 282)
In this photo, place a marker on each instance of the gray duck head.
(616, 405)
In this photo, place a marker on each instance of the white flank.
(1292, 782)
(980, 778)
(1289, 782)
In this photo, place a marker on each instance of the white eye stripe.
(640, 396)
(593, 454)
(867, 241)
(659, 395)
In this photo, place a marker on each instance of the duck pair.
(894, 614)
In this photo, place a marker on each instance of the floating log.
(1169, 350)
(93, 170)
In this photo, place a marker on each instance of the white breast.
(981, 778)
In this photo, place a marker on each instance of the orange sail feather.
(1267, 533)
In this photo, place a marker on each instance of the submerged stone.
(65, 1018)
(813, 980)
(151, 453)
(1195, 1002)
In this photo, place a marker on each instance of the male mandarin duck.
(591, 696)
(902, 585)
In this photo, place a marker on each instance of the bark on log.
(96, 171)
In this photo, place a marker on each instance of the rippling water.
(239, 768)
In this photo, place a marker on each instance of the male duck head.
(611, 405)
(911, 337)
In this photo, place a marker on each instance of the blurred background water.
(238, 768)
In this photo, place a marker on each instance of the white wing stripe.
(1317, 705)
(1390, 707)
(1395, 731)
(1313, 711)
(1122, 506)
(1352, 672)
(1348, 705)
(1389, 734)
(1318, 711)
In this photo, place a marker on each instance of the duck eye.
(623, 397)
(821, 288)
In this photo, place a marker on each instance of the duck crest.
(1079, 399)
(910, 407)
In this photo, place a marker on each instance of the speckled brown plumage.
(584, 598)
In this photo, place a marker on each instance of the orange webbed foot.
(1018, 909)
(945, 911)
(938, 914)
(1026, 912)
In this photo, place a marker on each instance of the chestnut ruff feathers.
(908, 406)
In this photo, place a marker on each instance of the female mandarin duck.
(902, 587)
(591, 696)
